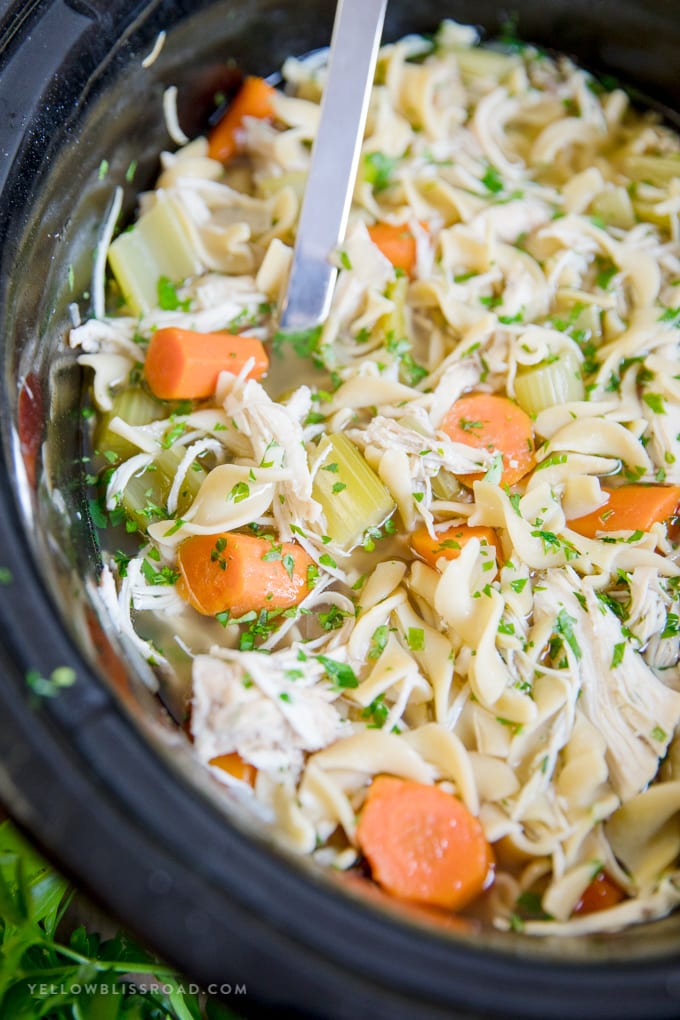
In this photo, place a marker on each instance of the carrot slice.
(397, 244)
(254, 99)
(630, 508)
(423, 844)
(235, 765)
(491, 422)
(449, 543)
(184, 365)
(241, 573)
(601, 894)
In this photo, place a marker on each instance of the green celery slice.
(159, 244)
(481, 62)
(549, 384)
(145, 496)
(351, 494)
(615, 208)
(136, 407)
(658, 170)
(269, 186)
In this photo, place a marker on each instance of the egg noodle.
(534, 673)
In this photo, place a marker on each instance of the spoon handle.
(323, 218)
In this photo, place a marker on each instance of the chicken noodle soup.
(423, 593)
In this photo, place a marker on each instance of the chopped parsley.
(168, 298)
(564, 626)
(341, 674)
(492, 180)
(379, 169)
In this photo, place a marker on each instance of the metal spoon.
(325, 207)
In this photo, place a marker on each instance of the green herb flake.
(288, 562)
(50, 687)
(519, 584)
(305, 344)
(168, 298)
(376, 713)
(341, 674)
(564, 626)
(173, 434)
(655, 402)
(378, 641)
(238, 492)
(672, 626)
(379, 169)
(618, 654)
(333, 619)
(671, 316)
(416, 639)
(492, 180)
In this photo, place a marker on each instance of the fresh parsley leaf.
(379, 169)
(492, 180)
(304, 342)
(340, 673)
(168, 298)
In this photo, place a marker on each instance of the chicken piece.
(263, 707)
(621, 696)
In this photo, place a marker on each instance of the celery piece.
(145, 495)
(589, 319)
(136, 407)
(550, 383)
(648, 213)
(480, 62)
(159, 244)
(395, 324)
(445, 485)
(296, 179)
(351, 494)
(615, 207)
(168, 462)
(657, 170)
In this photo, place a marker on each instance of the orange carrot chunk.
(235, 765)
(601, 894)
(423, 844)
(630, 508)
(254, 99)
(397, 244)
(184, 365)
(241, 573)
(491, 422)
(449, 543)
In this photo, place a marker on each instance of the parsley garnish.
(168, 298)
(378, 169)
(340, 673)
(618, 654)
(564, 626)
(377, 712)
(492, 180)
(304, 342)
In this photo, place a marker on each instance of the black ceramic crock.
(97, 775)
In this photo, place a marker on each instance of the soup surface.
(413, 577)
